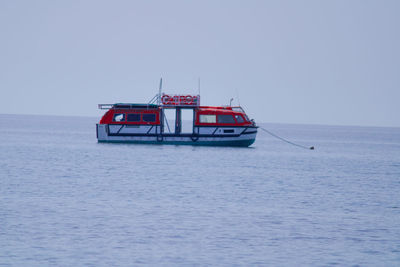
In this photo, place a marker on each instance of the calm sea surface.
(66, 200)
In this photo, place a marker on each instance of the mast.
(198, 85)
(159, 93)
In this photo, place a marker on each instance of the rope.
(274, 135)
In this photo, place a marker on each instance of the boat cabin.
(142, 114)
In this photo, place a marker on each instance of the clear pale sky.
(314, 62)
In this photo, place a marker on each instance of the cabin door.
(187, 117)
(169, 122)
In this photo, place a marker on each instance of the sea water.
(66, 200)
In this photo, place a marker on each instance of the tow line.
(284, 140)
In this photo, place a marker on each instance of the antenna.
(159, 93)
(198, 85)
(237, 96)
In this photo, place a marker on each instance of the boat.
(177, 120)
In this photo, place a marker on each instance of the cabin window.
(208, 118)
(119, 117)
(133, 117)
(149, 117)
(238, 118)
(226, 119)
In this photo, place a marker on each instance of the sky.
(309, 62)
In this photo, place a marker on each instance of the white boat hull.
(211, 136)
